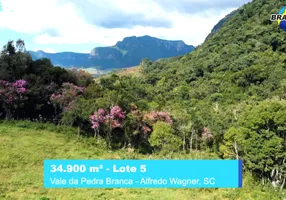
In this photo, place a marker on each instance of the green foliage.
(234, 141)
(163, 138)
(79, 114)
(259, 139)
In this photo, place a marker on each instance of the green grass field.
(24, 146)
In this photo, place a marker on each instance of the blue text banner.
(142, 174)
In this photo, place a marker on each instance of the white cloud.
(34, 16)
(80, 22)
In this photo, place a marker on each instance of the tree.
(234, 140)
(12, 95)
(137, 131)
(9, 49)
(14, 60)
(108, 121)
(82, 78)
(259, 139)
(20, 45)
(163, 138)
(66, 96)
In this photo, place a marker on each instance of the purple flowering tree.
(136, 121)
(66, 97)
(96, 120)
(12, 95)
(109, 120)
(67, 94)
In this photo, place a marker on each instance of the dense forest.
(228, 96)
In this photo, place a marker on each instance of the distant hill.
(64, 59)
(126, 53)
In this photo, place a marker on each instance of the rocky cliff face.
(126, 53)
(131, 50)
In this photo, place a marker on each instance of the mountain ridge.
(126, 53)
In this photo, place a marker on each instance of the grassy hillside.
(24, 146)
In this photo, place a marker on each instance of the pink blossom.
(66, 96)
(4, 83)
(146, 129)
(22, 90)
(19, 84)
(101, 111)
(95, 125)
(116, 124)
(12, 94)
(97, 118)
(116, 112)
(114, 117)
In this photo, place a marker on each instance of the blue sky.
(81, 25)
